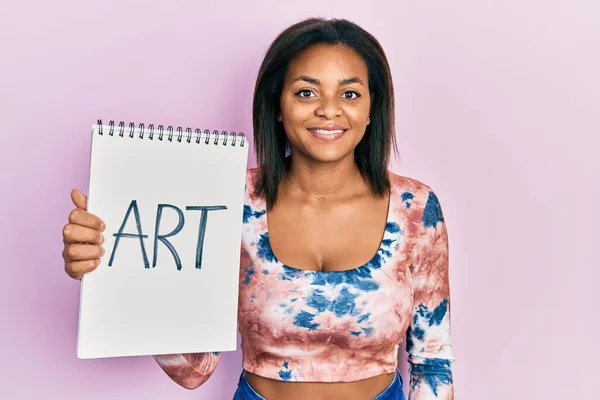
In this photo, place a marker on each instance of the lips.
(328, 133)
(328, 129)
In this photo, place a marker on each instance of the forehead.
(324, 61)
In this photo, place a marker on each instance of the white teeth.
(327, 131)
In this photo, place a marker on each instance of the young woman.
(341, 259)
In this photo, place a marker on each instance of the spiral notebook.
(172, 201)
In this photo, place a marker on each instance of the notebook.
(172, 201)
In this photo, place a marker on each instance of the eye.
(304, 93)
(348, 95)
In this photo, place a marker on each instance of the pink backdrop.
(497, 111)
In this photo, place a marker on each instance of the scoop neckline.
(311, 271)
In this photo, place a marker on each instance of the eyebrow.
(314, 81)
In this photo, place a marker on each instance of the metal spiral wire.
(217, 137)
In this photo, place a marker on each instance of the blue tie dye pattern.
(433, 211)
(304, 319)
(354, 281)
(286, 374)
(289, 274)
(434, 372)
(264, 248)
(368, 330)
(434, 317)
(415, 332)
(317, 301)
(248, 272)
(363, 317)
(423, 317)
(407, 196)
(250, 213)
(392, 227)
(344, 304)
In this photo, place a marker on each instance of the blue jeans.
(394, 391)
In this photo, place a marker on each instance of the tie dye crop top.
(339, 326)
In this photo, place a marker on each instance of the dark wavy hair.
(372, 154)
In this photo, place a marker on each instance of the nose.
(329, 107)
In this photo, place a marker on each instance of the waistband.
(394, 391)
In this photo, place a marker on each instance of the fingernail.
(101, 238)
(102, 253)
(102, 226)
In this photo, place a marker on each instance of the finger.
(84, 218)
(79, 199)
(77, 269)
(80, 234)
(82, 252)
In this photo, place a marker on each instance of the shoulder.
(419, 195)
(408, 188)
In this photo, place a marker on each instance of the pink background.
(497, 109)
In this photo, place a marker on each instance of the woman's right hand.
(82, 238)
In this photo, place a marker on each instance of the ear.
(279, 119)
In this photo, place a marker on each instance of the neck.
(323, 179)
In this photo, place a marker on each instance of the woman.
(353, 257)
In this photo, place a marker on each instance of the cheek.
(361, 111)
(294, 115)
(357, 115)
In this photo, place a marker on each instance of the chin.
(330, 155)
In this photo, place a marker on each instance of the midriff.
(364, 389)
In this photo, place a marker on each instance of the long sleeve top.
(339, 326)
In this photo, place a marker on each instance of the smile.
(328, 134)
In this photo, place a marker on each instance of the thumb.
(79, 199)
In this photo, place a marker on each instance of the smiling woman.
(351, 70)
(317, 104)
(341, 259)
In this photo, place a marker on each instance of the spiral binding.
(197, 135)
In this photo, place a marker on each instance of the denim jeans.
(394, 391)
